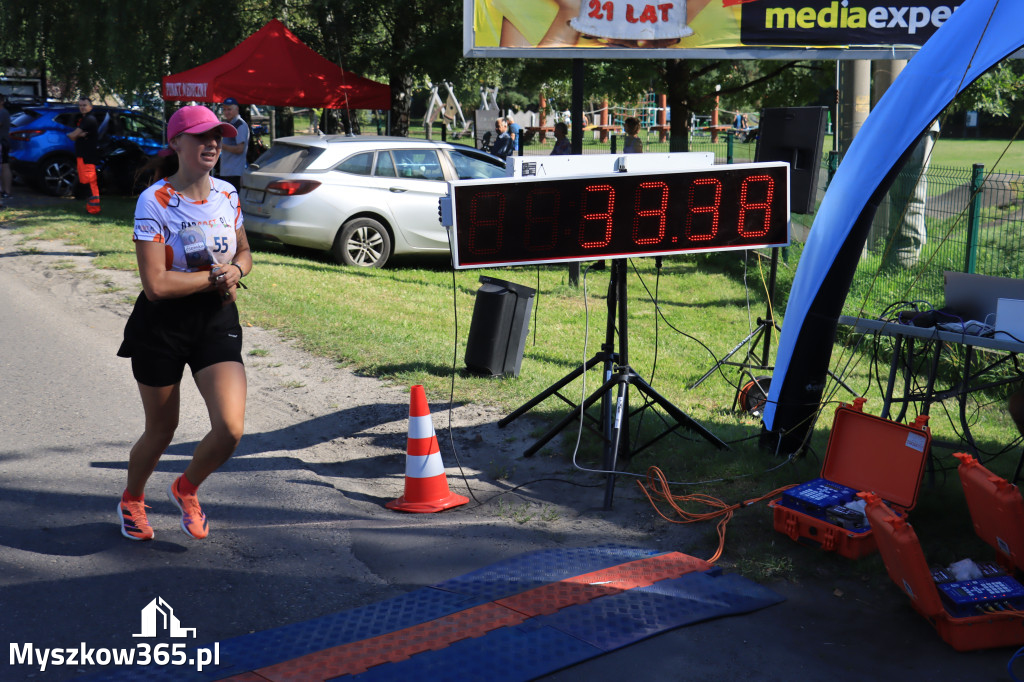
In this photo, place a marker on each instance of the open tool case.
(865, 453)
(997, 511)
(980, 613)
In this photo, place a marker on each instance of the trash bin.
(497, 333)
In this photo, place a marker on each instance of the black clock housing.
(521, 221)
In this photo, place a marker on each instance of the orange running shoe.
(193, 520)
(134, 524)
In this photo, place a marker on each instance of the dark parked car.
(42, 153)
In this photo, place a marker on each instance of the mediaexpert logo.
(157, 619)
(843, 22)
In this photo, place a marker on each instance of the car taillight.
(23, 135)
(291, 188)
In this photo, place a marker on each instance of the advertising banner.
(711, 29)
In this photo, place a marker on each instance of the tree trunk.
(401, 103)
(677, 78)
(284, 119)
(329, 121)
(400, 75)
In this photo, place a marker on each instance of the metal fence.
(968, 220)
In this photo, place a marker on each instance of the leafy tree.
(127, 47)
(404, 40)
(118, 46)
(752, 84)
(999, 92)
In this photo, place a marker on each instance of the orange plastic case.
(907, 567)
(997, 510)
(866, 453)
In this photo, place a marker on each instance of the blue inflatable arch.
(979, 34)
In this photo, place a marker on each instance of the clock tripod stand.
(752, 391)
(762, 333)
(613, 423)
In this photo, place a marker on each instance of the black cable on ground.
(451, 409)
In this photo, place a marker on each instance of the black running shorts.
(161, 337)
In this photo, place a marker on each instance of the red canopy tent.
(274, 67)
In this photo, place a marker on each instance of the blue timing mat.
(515, 620)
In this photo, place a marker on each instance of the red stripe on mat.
(580, 589)
(357, 657)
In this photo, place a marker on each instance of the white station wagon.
(364, 198)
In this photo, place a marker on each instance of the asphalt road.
(291, 540)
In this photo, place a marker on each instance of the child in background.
(633, 144)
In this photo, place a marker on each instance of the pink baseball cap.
(195, 120)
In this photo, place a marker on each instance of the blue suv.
(42, 153)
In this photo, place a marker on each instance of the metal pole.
(577, 105)
(835, 115)
(576, 139)
(974, 217)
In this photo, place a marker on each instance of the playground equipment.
(484, 116)
(489, 98)
(449, 110)
(651, 111)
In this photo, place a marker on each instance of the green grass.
(409, 324)
(963, 153)
(999, 155)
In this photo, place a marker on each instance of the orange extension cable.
(658, 487)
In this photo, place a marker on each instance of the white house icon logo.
(159, 612)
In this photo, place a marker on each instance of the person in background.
(5, 149)
(86, 136)
(502, 146)
(232, 158)
(192, 253)
(562, 145)
(906, 205)
(633, 144)
(514, 130)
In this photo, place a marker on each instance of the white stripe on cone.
(424, 467)
(421, 427)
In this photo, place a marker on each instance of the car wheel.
(363, 242)
(58, 175)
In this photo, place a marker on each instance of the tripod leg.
(677, 414)
(751, 337)
(618, 432)
(770, 315)
(553, 431)
(550, 390)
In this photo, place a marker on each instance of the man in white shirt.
(233, 149)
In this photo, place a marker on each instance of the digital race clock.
(526, 220)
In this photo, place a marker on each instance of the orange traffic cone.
(426, 487)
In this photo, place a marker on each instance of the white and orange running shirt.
(197, 234)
